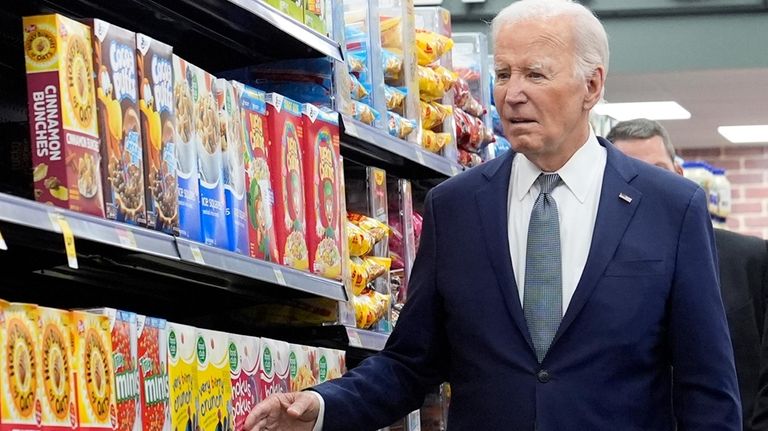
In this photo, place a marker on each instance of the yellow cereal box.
(182, 374)
(56, 377)
(302, 363)
(94, 372)
(63, 124)
(19, 362)
(214, 387)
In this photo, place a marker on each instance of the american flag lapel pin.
(625, 198)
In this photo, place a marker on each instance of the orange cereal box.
(153, 373)
(320, 154)
(285, 136)
(331, 364)
(20, 364)
(57, 375)
(94, 371)
(214, 384)
(63, 122)
(182, 376)
(117, 99)
(123, 329)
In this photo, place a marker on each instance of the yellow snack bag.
(360, 242)
(433, 114)
(431, 46)
(434, 142)
(391, 32)
(447, 77)
(375, 228)
(430, 85)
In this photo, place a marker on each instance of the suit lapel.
(618, 202)
(492, 203)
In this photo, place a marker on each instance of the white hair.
(588, 33)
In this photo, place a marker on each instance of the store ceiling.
(713, 97)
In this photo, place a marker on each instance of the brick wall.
(747, 170)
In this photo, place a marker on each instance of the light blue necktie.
(543, 294)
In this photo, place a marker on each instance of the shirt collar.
(574, 173)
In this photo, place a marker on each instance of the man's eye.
(502, 76)
(535, 75)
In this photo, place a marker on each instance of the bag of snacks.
(392, 64)
(433, 114)
(360, 242)
(430, 85)
(447, 78)
(398, 126)
(363, 270)
(363, 113)
(394, 97)
(431, 46)
(375, 228)
(434, 142)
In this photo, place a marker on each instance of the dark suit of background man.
(743, 275)
(555, 287)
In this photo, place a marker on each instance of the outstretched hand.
(295, 411)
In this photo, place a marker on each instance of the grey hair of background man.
(642, 128)
(589, 35)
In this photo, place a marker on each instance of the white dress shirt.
(577, 198)
(321, 412)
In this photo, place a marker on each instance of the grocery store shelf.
(367, 340)
(234, 263)
(216, 35)
(367, 144)
(361, 342)
(40, 216)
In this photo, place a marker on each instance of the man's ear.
(595, 84)
(678, 168)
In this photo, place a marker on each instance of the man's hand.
(296, 411)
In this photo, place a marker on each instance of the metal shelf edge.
(224, 260)
(37, 215)
(358, 130)
(292, 27)
(367, 340)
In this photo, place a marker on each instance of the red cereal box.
(284, 150)
(320, 153)
(274, 374)
(63, 128)
(243, 363)
(153, 373)
(260, 202)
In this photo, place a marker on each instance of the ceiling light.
(744, 134)
(651, 110)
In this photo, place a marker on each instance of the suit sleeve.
(389, 385)
(705, 388)
(760, 414)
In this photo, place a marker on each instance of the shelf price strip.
(126, 238)
(61, 225)
(197, 255)
(279, 277)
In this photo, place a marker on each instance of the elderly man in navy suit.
(556, 287)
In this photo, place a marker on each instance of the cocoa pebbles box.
(158, 126)
(117, 102)
(260, 200)
(285, 136)
(63, 128)
(186, 149)
(320, 153)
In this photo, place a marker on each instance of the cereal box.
(56, 375)
(62, 113)
(302, 363)
(284, 150)
(292, 8)
(123, 328)
(233, 162)
(243, 365)
(158, 127)
(117, 103)
(153, 373)
(331, 365)
(210, 161)
(320, 154)
(94, 371)
(214, 384)
(262, 240)
(182, 374)
(186, 149)
(20, 365)
(315, 15)
(273, 368)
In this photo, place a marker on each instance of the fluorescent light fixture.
(744, 134)
(668, 110)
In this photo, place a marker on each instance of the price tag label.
(69, 241)
(127, 238)
(455, 170)
(354, 338)
(279, 277)
(420, 157)
(3, 245)
(197, 255)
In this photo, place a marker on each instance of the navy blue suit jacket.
(648, 301)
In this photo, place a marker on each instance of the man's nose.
(513, 93)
